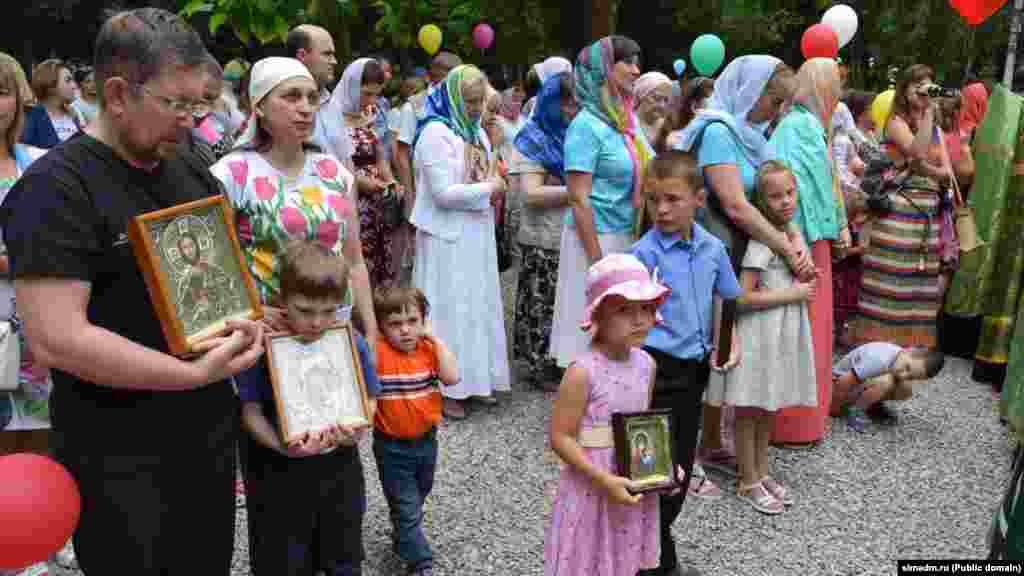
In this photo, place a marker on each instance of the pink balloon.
(483, 36)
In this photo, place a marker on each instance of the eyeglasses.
(179, 107)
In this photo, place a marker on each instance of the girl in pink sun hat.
(598, 527)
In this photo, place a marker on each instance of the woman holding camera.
(900, 294)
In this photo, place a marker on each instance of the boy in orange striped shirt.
(410, 363)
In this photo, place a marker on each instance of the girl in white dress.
(776, 369)
(456, 266)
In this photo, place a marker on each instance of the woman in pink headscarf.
(652, 92)
(802, 142)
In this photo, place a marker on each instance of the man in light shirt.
(314, 47)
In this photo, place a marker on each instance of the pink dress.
(588, 535)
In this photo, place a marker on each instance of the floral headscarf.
(737, 91)
(445, 105)
(542, 139)
(648, 83)
(974, 104)
(600, 97)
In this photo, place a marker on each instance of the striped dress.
(900, 297)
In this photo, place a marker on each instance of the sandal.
(761, 499)
(701, 487)
(777, 490)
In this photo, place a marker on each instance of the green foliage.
(265, 21)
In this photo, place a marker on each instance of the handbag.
(963, 215)
(10, 356)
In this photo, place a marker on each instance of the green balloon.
(707, 54)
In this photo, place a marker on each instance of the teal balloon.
(680, 66)
(707, 54)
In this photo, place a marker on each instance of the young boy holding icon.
(305, 499)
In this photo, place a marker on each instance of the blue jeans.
(406, 469)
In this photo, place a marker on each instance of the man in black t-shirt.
(149, 437)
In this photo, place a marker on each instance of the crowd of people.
(705, 246)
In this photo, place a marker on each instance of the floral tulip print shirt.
(272, 210)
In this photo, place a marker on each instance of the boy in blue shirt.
(695, 265)
(306, 498)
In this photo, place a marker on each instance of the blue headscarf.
(542, 139)
(444, 104)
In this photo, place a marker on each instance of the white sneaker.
(66, 557)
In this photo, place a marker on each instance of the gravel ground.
(925, 488)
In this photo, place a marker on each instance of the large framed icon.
(317, 384)
(192, 263)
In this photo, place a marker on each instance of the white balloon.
(843, 20)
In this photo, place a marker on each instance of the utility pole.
(1011, 50)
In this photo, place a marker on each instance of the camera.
(879, 178)
(936, 91)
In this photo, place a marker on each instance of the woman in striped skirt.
(900, 292)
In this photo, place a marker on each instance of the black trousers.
(168, 513)
(679, 386)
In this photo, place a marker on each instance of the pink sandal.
(701, 487)
(777, 490)
(761, 499)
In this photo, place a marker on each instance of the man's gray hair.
(137, 44)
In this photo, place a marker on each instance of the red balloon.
(39, 509)
(820, 41)
(976, 11)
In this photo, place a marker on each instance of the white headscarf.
(266, 75)
(552, 67)
(344, 100)
(736, 93)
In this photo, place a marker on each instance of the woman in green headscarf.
(456, 266)
(605, 153)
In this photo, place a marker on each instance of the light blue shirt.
(596, 148)
(799, 142)
(719, 147)
(868, 361)
(695, 271)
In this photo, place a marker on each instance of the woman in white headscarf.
(653, 92)
(283, 189)
(727, 137)
(551, 67)
(348, 123)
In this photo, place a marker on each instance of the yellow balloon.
(430, 38)
(881, 107)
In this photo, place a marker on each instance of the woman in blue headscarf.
(537, 175)
(456, 266)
